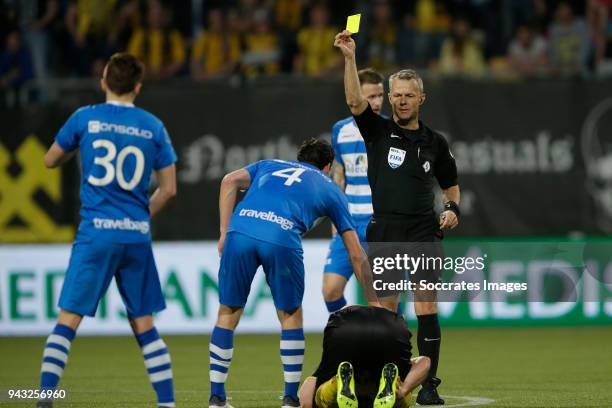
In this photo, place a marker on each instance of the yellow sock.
(326, 393)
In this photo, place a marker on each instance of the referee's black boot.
(428, 395)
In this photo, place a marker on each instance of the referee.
(404, 157)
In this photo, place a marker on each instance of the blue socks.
(335, 305)
(221, 351)
(157, 362)
(292, 356)
(55, 356)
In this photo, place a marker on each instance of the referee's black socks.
(428, 340)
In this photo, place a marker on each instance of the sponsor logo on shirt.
(355, 164)
(125, 225)
(267, 216)
(95, 126)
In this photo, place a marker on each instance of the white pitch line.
(469, 401)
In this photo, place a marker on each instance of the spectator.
(36, 19)
(288, 14)
(88, 22)
(597, 18)
(514, 14)
(604, 65)
(316, 57)
(382, 43)
(527, 54)
(246, 10)
(128, 19)
(461, 55)
(495, 21)
(7, 21)
(431, 24)
(261, 46)
(182, 18)
(216, 51)
(15, 65)
(569, 42)
(236, 24)
(542, 15)
(159, 46)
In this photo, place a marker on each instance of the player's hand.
(448, 220)
(221, 243)
(400, 392)
(345, 43)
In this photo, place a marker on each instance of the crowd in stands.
(208, 39)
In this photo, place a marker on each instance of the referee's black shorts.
(416, 236)
(369, 338)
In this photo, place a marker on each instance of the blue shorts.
(93, 264)
(337, 260)
(284, 269)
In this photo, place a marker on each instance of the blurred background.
(522, 89)
(519, 87)
(213, 39)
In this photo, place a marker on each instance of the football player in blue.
(350, 172)
(120, 147)
(282, 202)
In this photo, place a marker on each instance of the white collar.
(117, 103)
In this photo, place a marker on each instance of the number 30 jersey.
(120, 146)
(284, 201)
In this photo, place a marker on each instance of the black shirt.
(368, 338)
(402, 165)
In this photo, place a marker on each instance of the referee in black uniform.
(369, 338)
(404, 157)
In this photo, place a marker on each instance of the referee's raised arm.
(352, 89)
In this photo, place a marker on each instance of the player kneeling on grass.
(283, 201)
(120, 147)
(366, 352)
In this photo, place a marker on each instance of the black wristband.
(452, 206)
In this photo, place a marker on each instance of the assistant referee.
(404, 158)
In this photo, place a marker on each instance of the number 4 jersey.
(285, 199)
(120, 146)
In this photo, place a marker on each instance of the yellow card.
(352, 23)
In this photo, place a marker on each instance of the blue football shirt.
(284, 201)
(120, 146)
(351, 153)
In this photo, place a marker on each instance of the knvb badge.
(396, 157)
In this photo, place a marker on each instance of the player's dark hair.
(316, 152)
(370, 76)
(123, 72)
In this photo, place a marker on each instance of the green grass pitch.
(548, 367)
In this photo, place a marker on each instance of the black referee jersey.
(368, 338)
(403, 166)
